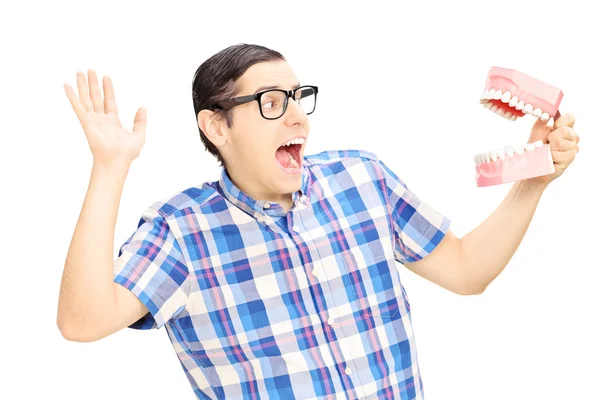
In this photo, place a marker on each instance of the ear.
(212, 126)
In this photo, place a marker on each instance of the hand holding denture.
(512, 95)
(562, 140)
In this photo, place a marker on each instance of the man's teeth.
(513, 101)
(293, 161)
(508, 151)
(294, 141)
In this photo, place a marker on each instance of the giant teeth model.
(511, 95)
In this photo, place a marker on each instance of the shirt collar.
(258, 208)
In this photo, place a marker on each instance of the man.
(279, 280)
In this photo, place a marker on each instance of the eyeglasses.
(273, 102)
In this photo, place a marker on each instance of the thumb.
(539, 131)
(564, 120)
(139, 124)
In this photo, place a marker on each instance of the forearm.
(87, 289)
(486, 250)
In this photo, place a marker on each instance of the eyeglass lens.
(273, 102)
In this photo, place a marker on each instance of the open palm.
(99, 118)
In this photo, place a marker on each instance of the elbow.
(74, 332)
(470, 289)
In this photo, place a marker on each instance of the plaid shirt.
(263, 304)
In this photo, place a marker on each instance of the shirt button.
(295, 228)
(303, 198)
(267, 205)
(330, 321)
(348, 371)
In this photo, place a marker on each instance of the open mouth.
(512, 95)
(289, 155)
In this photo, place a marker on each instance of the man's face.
(258, 161)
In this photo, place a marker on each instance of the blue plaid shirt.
(263, 304)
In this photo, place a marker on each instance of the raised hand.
(109, 142)
(563, 141)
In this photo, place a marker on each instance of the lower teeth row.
(293, 161)
(506, 151)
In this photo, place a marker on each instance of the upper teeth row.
(295, 141)
(513, 101)
(506, 151)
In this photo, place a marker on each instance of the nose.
(295, 113)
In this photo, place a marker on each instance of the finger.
(139, 124)
(95, 94)
(565, 120)
(564, 157)
(75, 103)
(565, 132)
(110, 104)
(84, 95)
(540, 131)
(562, 144)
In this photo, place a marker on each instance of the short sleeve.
(152, 266)
(418, 228)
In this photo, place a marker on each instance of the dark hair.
(215, 81)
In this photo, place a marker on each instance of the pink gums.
(518, 167)
(527, 88)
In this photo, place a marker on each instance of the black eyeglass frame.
(237, 101)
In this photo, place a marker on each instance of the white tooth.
(500, 111)
(489, 94)
(508, 115)
(513, 102)
(537, 112)
(545, 117)
(530, 147)
(494, 108)
(505, 97)
(497, 94)
(488, 105)
(509, 151)
(483, 96)
(520, 105)
(514, 118)
(538, 143)
(519, 149)
(486, 157)
(528, 108)
(500, 153)
(493, 155)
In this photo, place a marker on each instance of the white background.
(402, 81)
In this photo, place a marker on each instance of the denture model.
(512, 94)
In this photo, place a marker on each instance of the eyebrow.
(260, 89)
